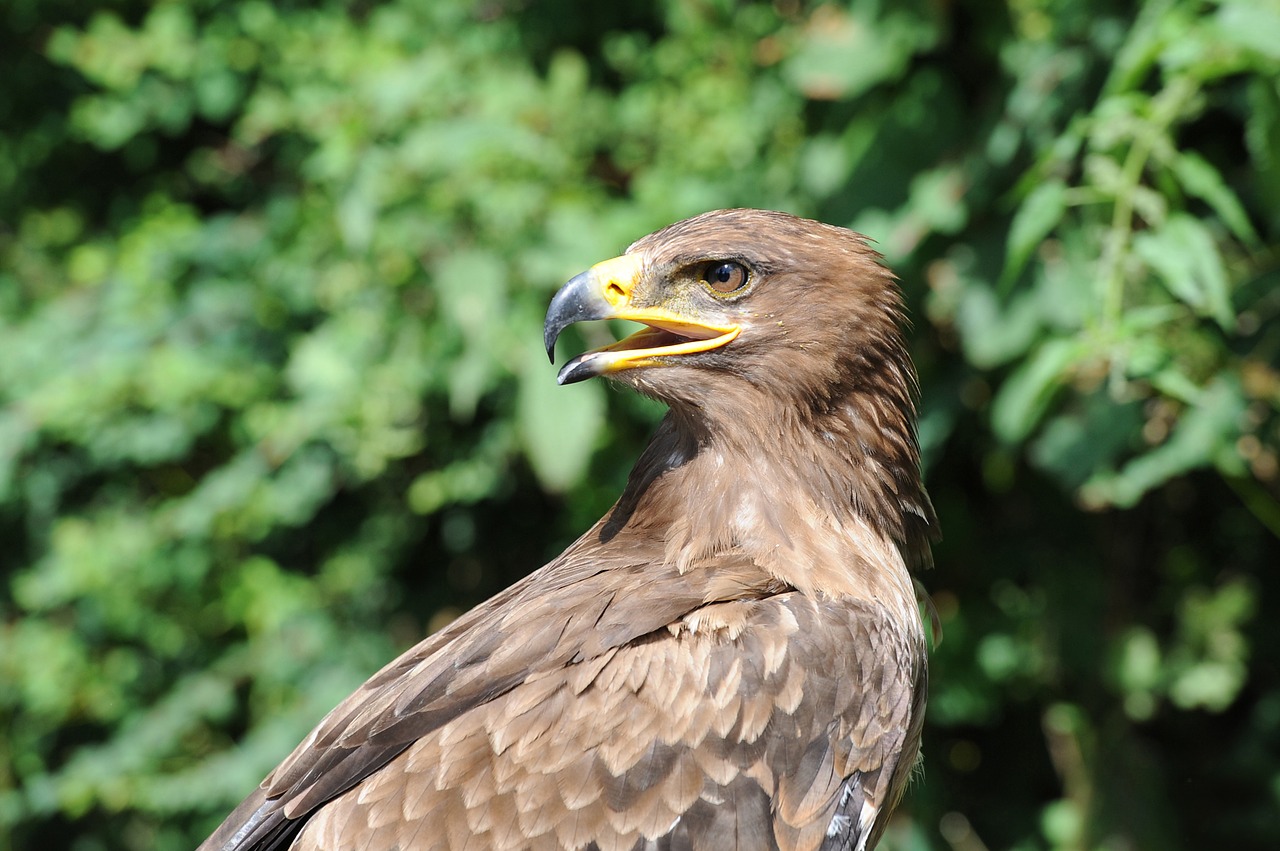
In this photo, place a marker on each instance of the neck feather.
(826, 495)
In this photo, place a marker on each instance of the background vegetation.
(274, 406)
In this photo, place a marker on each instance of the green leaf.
(1172, 382)
(1095, 433)
(1140, 49)
(845, 53)
(1262, 135)
(1025, 396)
(1186, 259)
(1204, 435)
(558, 426)
(996, 333)
(1199, 178)
(471, 286)
(1038, 215)
(1253, 24)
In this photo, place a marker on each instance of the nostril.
(615, 293)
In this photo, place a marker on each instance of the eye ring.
(725, 276)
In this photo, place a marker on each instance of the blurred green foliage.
(274, 405)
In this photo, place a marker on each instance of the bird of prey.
(733, 656)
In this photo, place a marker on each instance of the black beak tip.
(578, 369)
(550, 333)
(576, 301)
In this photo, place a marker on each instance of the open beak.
(605, 292)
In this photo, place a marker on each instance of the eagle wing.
(589, 711)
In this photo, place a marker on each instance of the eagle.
(733, 657)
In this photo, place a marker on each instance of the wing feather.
(799, 781)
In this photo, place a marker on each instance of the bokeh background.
(273, 403)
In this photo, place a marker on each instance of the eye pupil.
(726, 277)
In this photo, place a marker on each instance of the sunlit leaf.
(1027, 393)
(843, 53)
(559, 426)
(1252, 24)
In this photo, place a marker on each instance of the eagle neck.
(820, 495)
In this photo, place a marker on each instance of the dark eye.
(726, 277)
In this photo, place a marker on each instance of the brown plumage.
(733, 656)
